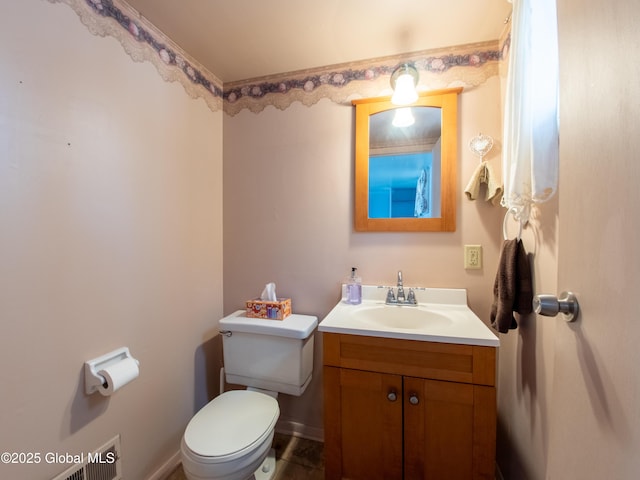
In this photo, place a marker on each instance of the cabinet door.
(367, 433)
(438, 429)
(446, 433)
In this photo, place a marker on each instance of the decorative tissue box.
(278, 310)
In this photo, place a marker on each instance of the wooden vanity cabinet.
(404, 409)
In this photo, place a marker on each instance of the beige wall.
(112, 234)
(111, 215)
(288, 217)
(526, 363)
(526, 355)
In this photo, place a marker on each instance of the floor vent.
(102, 464)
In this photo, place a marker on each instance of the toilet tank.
(274, 355)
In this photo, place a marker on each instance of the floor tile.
(296, 458)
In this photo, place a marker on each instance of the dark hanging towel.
(513, 288)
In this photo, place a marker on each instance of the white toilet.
(230, 437)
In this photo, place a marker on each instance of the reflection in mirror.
(403, 161)
(406, 163)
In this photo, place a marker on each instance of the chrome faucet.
(400, 298)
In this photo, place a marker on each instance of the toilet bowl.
(230, 437)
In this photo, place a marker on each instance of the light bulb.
(405, 90)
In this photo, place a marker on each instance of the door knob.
(391, 396)
(413, 399)
(550, 305)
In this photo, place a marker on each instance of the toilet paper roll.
(118, 375)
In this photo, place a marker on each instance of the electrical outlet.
(472, 257)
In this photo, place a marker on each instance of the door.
(595, 424)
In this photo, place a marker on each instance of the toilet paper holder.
(92, 378)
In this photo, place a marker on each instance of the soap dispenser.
(354, 288)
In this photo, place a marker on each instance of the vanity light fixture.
(403, 117)
(403, 81)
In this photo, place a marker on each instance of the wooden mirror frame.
(447, 100)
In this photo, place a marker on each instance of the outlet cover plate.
(473, 257)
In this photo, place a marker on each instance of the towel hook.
(504, 223)
(480, 145)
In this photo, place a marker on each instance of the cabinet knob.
(391, 396)
(413, 399)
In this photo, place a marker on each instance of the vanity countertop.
(442, 315)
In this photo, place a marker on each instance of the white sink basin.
(411, 318)
(442, 315)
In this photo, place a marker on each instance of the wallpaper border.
(142, 41)
(464, 66)
(467, 66)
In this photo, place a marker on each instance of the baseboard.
(288, 427)
(167, 468)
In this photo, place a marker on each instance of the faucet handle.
(411, 298)
(391, 298)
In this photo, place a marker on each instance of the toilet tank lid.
(294, 326)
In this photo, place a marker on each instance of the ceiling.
(244, 39)
(420, 136)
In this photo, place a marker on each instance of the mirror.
(406, 175)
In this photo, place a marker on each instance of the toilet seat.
(231, 426)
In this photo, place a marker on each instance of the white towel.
(484, 174)
(422, 199)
